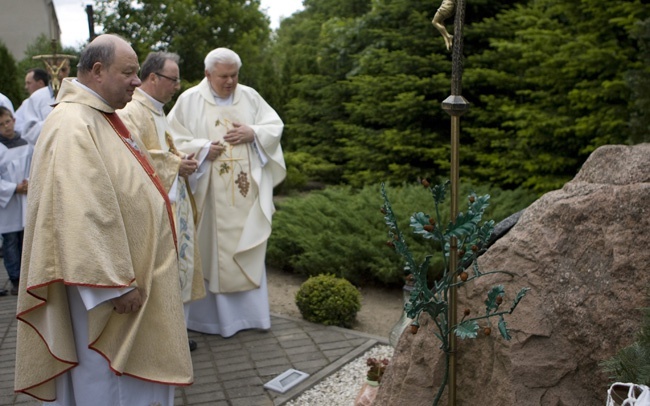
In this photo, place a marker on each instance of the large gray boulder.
(584, 251)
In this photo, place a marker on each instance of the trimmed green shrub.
(328, 300)
(340, 230)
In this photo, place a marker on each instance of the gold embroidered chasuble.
(150, 125)
(96, 219)
(234, 196)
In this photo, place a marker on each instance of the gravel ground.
(343, 386)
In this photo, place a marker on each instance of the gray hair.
(222, 55)
(102, 52)
(155, 62)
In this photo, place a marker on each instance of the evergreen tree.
(359, 83)
(550, 89)
(9, 81)
(638, 81)
(192, 28)
(364, 104)
(395, 129)
(316, 47)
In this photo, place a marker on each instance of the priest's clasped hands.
(216, 148)
(239, 134)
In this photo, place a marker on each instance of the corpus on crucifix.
(445, 11)
(57, 65)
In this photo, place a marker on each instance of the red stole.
(119, 127)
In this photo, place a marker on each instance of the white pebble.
(343, 386)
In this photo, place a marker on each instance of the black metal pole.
(91, 22)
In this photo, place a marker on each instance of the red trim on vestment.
(34, 287)
(43, 303)
(118, 373)
(119, 127)
(34, 396)
(72, 363)
(25, 390)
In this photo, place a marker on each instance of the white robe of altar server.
(5, 102)
(20, 117)
(14, 168)
(234, 211)
(34, 111)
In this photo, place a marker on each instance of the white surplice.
(20, 117)
(5, 102)
(14, 168)
(34, 111)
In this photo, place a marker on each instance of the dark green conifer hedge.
(340, 230)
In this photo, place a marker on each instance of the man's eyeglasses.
(175, 80)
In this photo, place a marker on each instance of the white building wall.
(22, 21)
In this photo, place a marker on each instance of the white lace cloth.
(628, 394)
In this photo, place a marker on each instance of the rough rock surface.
(584, 251)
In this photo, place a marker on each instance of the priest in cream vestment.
(236, 139)
(145, 117)
(99, 307)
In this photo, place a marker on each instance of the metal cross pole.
(455, 105)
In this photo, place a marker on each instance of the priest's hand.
(239, 134)
(216, 148)
(188, 165)
(128, 303)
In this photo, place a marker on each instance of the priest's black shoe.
(193, 345)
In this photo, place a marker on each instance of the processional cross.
(455, 105)
(53, 64)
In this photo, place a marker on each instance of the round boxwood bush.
(328, 300)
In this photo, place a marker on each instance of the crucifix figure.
(57, 65)
(445, 11)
